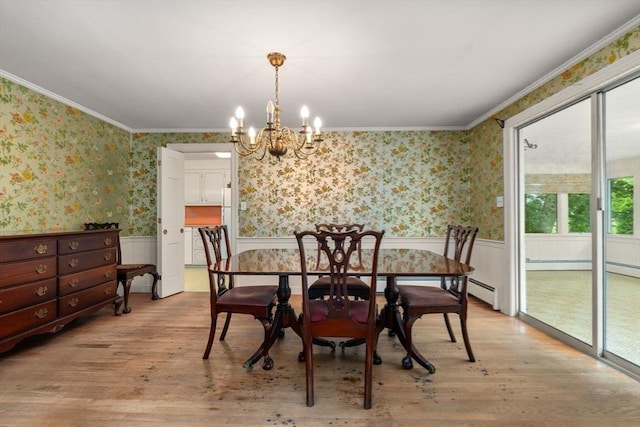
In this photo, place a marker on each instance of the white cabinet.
(204, 187)
(188, 244)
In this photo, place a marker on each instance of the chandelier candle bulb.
(252, 136)
(270, 110)
(304, 113)
(233, 123)
(317, 123)
(240, 118)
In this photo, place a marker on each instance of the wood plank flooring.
(146, 369)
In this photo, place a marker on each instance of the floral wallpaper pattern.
(60, 167)
(408, 183)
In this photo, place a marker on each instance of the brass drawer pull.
(107, 256)
(41, 269)
(107, 241)
(74, 283)
(41, 249)
(41, 314)
(41, 291)
(108, 290)
(107, 274)
(73, 262)
(74, 244)
(73, 302)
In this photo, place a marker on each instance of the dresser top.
(23, 234)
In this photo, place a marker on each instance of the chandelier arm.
(246, 149)
(302, 154)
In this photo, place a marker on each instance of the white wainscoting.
(139, 250)
(573, 252)
(623, 255)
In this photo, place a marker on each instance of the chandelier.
(274, 138)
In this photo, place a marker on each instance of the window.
(621, 205)
(541, 213)
(579, 212)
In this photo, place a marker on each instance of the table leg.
(284, 317)
(391, 318)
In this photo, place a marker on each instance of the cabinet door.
(198, 257)
(214, 182)
(192, 188)
(188, 244)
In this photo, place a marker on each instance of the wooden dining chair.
(355, 286)
(127, 272)
(449, 297)
(224, 297)
(339, 314)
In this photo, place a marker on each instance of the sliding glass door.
(622, 221)
(580, 218)
(557, 161)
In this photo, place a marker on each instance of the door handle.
(181, 230)
(164, 231)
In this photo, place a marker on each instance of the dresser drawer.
(22, 296)
(13, 250)
(27, 318)
(89, 242)
(77, 301)
(85, 279)
(75, 263)
(16, 273)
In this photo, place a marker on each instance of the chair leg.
(212, 332)
(225, 327)
(465, 336)
(407, 363)
(154, 286)
(368, 373)
(308, 360)
(446, 322)
(267, 363)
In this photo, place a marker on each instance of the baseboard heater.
(484, 292)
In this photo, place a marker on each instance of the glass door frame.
(623, 69)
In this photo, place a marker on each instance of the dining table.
(393, 263)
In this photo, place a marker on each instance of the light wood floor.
(146, 369)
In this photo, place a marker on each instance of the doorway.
(195, 277)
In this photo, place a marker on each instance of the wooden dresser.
(49, 279)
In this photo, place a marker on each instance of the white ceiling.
(186, 65)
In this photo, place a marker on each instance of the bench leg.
(154, 287)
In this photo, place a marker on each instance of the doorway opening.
(210, 193)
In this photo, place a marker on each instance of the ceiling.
(186, 65)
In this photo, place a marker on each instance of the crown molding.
(609, 38)
(61, 99)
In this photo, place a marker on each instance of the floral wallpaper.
(410, 184)
(60, 167)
